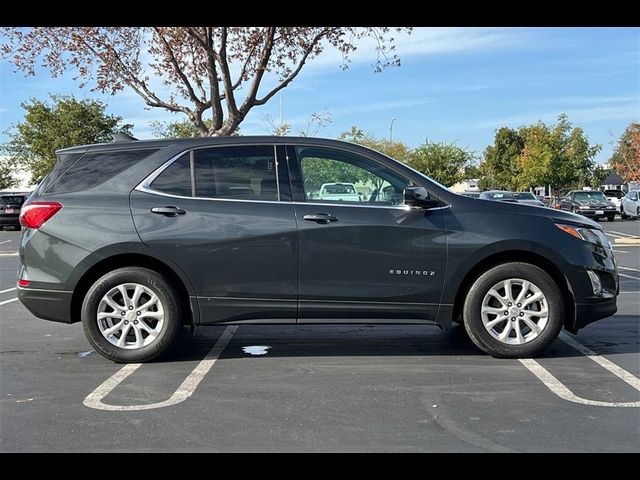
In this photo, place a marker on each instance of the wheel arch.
(507, 256)
(189, 307)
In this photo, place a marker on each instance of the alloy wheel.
(130, 316)
(515, 311)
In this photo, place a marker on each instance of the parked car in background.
(528, 198)
(546, 200)
(630, 204)
(615, 197)
(10, 205)
(498, 195)
(345, 192)
(136, 238)
(470, 194)
(590, 203)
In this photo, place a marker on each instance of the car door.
(373, 259)
(224, 216)
(567, 202)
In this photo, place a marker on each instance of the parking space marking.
(561, 390)
(8, 290)
(4, 302)
(6, 241)
(628, 276)
(624, 234)
(184, 391)
(8, 254)
(619, 372)
(629, 268)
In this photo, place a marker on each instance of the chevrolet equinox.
(136, 238)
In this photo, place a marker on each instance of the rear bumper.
(9, 220)
(54, 305)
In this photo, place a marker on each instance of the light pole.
(391, 130)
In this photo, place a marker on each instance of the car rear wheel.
(131, 315)
(611, 218)
(513, 310)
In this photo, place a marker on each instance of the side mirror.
(418, 197)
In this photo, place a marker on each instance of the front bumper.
(54, 305)
(587, 313)
(592, 212)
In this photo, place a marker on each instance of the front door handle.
(320, 218)
(168, 211)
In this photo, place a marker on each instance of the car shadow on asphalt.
(298, 341)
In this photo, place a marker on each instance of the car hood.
(522, 209)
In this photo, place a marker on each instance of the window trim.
(145, 185)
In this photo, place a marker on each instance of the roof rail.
(123, 137)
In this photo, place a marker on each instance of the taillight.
(23, 283)
(34, 214)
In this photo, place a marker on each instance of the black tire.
(623, 215)
(473, 302)
(167, 295)
(611, 218)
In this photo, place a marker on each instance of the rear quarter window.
(94, 169)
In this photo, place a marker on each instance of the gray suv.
(136, 238)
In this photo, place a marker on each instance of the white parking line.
(561, 390)
(629, 268)
(619, 372)
(628, 276)
(6, 241)
(620, 251)
(8, 254)
(4, 302)
(624, 234)
(184, 391)
(8, 290)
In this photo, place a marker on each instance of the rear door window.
(175, 179)
(243, 173)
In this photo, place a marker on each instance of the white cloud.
(432, 41)
(576, 116)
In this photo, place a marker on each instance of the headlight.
(590, 235)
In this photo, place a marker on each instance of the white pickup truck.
(345, 192)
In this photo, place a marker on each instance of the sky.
(454, 84)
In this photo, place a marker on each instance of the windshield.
(525, 196)
(339, 189)
(12, 200)
(589, 196)
(501, 196)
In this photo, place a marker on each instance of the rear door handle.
(320, 218)
(168, 211)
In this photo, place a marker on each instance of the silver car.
(528, 198)
(630, 204)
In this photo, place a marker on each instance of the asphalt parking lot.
(322, 388)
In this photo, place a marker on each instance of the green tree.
(597, 176)
(446, 163)
(500, 160)
(626, 156)
(47, 127)
(7, 179)
(559, 155)
(396, 150)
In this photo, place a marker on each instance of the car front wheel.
(131, 315)
(513, 310)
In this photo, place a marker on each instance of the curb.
(627, 241)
